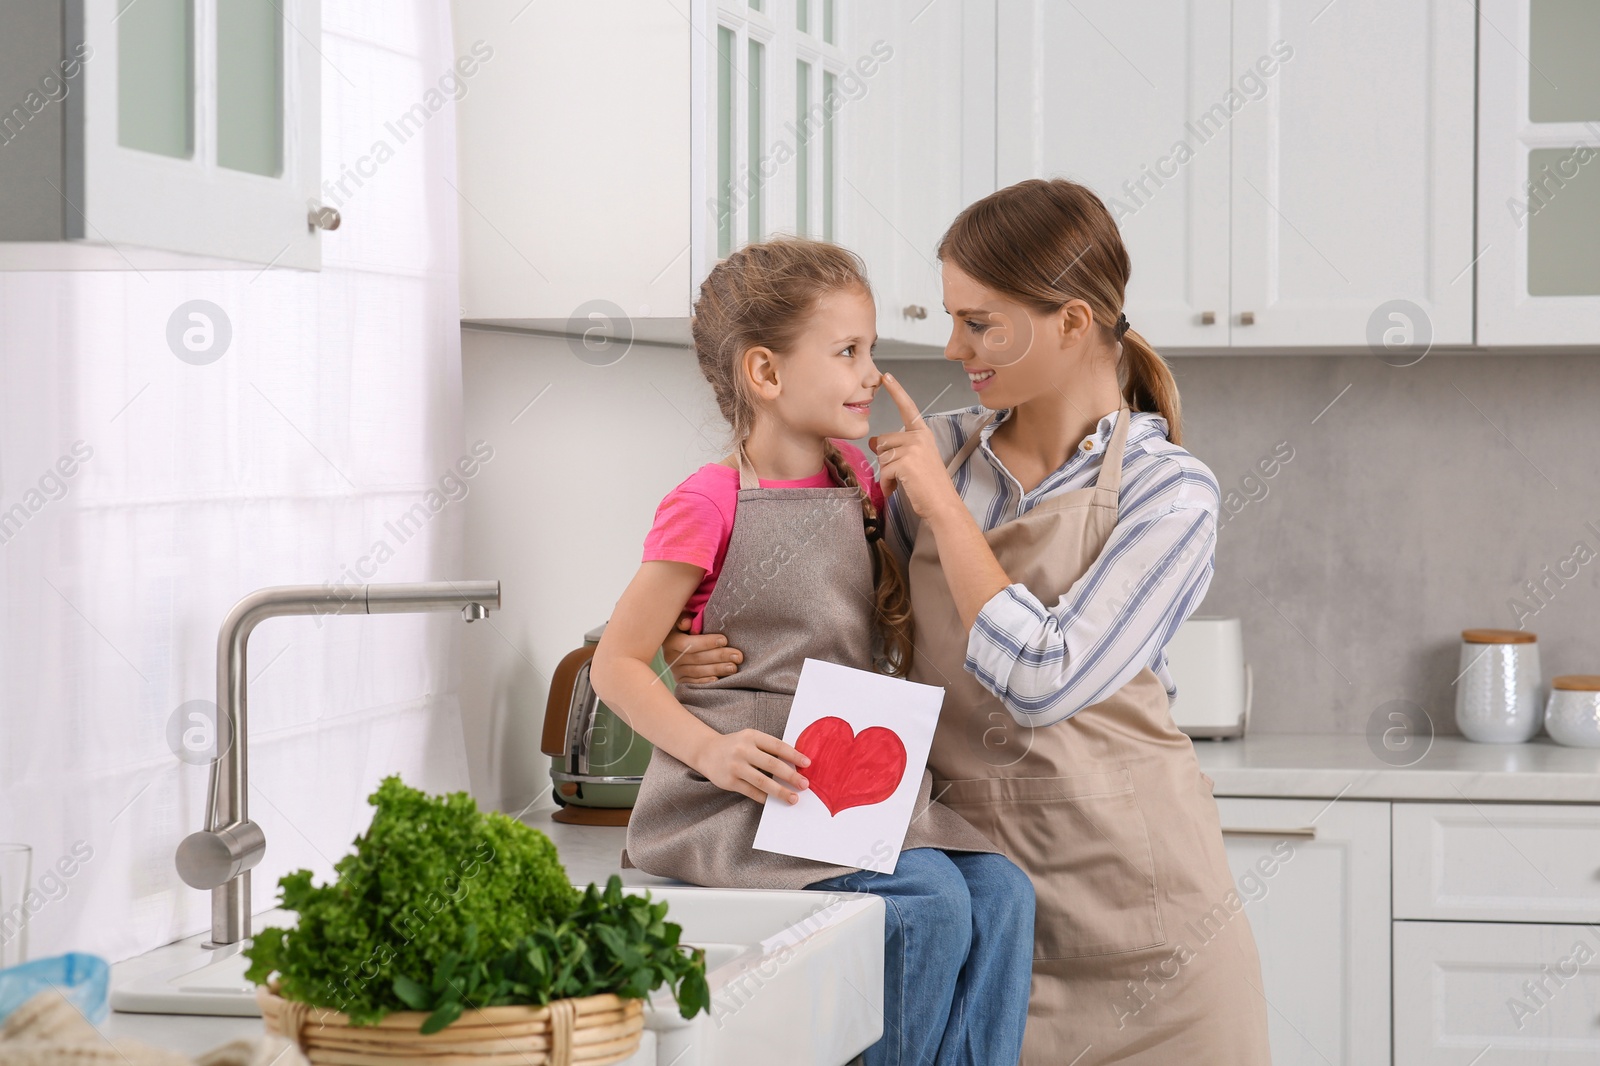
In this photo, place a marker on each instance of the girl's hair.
(1043, 243)
(760, 296)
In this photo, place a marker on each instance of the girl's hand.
(910, 460)
(698, 658)
(735, 761)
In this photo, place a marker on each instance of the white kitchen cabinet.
(1496, 994)
(921, 147)
(1104, 93)
(1520, 862)
(1538, 173)
(1315, 878)
(160, 133)
(1352, 174)
(1280, 172)
(610, 154)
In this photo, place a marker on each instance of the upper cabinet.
(1283, 175)
(1539, 172)
(155, 133)
(611, 153)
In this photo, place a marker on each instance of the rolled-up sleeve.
(1046, 663)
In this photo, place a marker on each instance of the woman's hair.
(1043, 243)
(760, 297)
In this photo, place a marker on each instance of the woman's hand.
(697, 658)
(910, 460)
(736, 761)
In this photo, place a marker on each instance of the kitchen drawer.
(1497, 862)
(1496, 994)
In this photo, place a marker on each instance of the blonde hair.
(1043, 243)
(760, 297)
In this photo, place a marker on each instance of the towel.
(48, 1031)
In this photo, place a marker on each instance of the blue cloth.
(957, 957)
(83, 979)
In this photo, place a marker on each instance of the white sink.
(796, 977)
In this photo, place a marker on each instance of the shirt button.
(1087, 445)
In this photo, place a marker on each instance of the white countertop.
(1452, 769)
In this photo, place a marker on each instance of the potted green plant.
(453, 933)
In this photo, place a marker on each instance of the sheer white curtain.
(335, 409)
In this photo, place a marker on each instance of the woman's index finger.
(903, 402)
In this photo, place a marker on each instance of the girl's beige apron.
(796, 583)
(1141, 951)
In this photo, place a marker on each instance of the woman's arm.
(1047, 663)
(623, 677)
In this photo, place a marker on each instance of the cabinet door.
(1539, 172)
(201, 129)
(921, 147)
(1115, 96)
(1352, 172)
(1315, 878)
(1496, 995)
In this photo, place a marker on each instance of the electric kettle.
(596, 759)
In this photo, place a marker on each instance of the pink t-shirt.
(695, 522)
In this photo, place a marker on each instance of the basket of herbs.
(452, 935)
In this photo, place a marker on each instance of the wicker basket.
(591, 1031)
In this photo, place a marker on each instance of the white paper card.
(868, 739)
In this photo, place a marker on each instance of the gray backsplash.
(1419, 501)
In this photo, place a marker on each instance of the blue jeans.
(957, 957)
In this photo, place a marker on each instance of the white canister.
(1497, 692)
(1572, 717)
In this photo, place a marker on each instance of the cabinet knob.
(1247, 318)
(916, 311)
(1208, 318)
(322, 217)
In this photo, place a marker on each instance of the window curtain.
(147, 493)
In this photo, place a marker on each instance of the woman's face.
(1011, 353)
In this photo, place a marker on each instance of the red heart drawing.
(850, 769)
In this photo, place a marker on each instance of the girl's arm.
(622, 677)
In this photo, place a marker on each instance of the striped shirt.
(1046, 662)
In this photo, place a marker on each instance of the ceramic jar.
(1572, 716)
(1497, 693)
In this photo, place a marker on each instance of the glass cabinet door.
(203, 137)
(1539, 173)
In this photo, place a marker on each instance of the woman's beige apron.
(796, 583)
(1142, 953)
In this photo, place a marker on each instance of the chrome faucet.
(220, 856)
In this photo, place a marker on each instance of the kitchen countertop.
(1452, 769)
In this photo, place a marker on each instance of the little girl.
(792, 565)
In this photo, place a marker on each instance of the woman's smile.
(979, 378)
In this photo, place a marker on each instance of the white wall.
(559, 515)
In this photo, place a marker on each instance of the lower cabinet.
(1315, 879)
(1496, 994)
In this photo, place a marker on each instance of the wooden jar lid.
(1497, 636)
(1577, 682)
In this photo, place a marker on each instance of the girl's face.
(825, 385)
(1011, 353)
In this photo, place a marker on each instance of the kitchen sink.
(796, 977)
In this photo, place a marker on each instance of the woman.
(1056, 536)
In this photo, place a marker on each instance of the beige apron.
(796, 583)
(1142, 953)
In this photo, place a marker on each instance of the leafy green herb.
(443, 908)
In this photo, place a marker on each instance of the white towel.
(49, 1031)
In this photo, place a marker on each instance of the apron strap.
(1111, 462)
(973, 440)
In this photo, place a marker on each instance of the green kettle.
(596, 759)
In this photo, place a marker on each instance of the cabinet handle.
(1247, 318)
(1208, 318)
(1309, 832)
(916, 311)
(323, 218)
